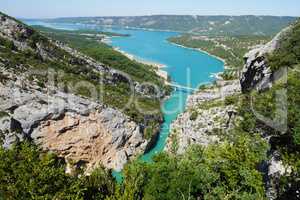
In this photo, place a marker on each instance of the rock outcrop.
(275, 170)
(206, 117)
(81, 130)
(75, 128)
(25, 38)
(256, 73)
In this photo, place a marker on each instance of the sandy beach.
(157, 66)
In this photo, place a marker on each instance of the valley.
(138, 44)
(85, 114)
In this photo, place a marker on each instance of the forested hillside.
(250, 159)
(231, 49)
(203, 25)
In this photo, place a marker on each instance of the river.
(186, 67)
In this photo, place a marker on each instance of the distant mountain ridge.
(204, 25)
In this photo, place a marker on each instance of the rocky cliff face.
(212, 112)
(206, 117)
(76, 128)
(207, 113)
(256, 73)
(25, 38)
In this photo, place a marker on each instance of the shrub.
(296, 134)
(27, 173)
(218, 172)
(194, 115)
(229, 100)
(3, 114)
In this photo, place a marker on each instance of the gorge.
(228, 139)
(185, 67)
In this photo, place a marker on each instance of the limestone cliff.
(206, 118)
(75, 128)
(82, 130)
(256, 73)
(207, 114)
(213, 111)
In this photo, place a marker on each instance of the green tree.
(27, 173)
(227, 171)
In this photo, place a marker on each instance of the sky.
(76, 8)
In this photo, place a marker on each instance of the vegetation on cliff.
(218, 172)
(27, 173)
(231, 170)
(288, 57)
(70, 70)
(281, 102)
(227, 171)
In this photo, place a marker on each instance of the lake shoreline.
(203, 51)
(157, 66)
(176, 101)
(138, 28)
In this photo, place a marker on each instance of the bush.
(27, 173)
(218, 172)
(7, 44)
(194, 115)
(230, 100)
(296, 134)
(3, 114)
(228, 75)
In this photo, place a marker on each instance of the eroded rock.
(75, 128)
(204, 125)
(256, 73)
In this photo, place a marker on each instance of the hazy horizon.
(109, 16)
(35, 9)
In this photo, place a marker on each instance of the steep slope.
(50, 93)
(271, 79)
(268, 105)
(257, 71)
(210, 114)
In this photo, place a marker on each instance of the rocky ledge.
(75, 128)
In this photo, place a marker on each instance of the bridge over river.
(183, 88)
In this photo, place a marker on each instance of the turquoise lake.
(186, 67)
